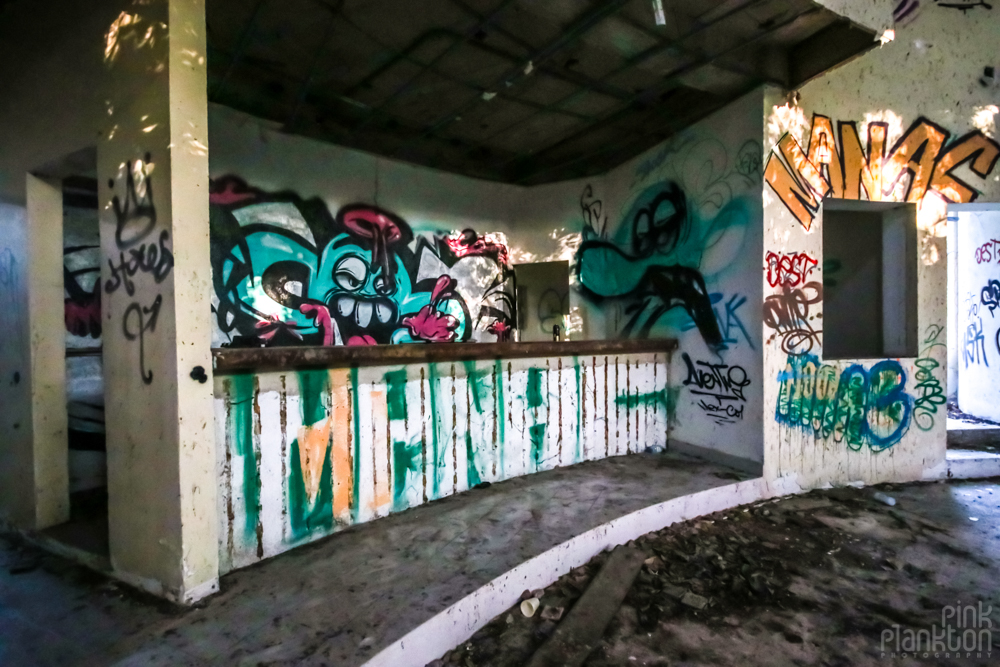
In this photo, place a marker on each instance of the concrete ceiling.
(520, 91)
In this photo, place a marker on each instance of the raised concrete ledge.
(970, 464)
(458, 622)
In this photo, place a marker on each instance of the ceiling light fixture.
(661, 18)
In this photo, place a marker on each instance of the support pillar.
(34, 478)
(153, 180)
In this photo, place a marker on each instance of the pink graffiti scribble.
(789, 269)
(321, 317)
(229, 190)
(501, 330)
(272, 325)
(361, 340)
(469, 243)
(429, 323)
(84, 318)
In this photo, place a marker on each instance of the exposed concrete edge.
(970, 464)
(458, 622)
(102, 565)
(748, 466)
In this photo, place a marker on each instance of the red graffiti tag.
(988, 252)
(790, 269)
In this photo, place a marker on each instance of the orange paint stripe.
(380, 417)
(341, 418)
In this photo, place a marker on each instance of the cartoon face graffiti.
(288, 273)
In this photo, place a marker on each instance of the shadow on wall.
(286, 272)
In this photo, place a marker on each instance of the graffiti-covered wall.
(304, 454)
(978, 311)
(337, 247)
(913, 121)
(668, 247)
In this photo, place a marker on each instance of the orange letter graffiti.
(914, 154)
(862, 170)
(823, 151)
(979, 151)
(800, 192)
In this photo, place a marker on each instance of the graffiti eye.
(350, 273)
(383, 286)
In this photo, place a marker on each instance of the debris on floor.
(819, 578)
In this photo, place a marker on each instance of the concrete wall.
(978, 305)
(663, 246)
(907, 122)
(305, 454)
(16, 482)
(670, 247)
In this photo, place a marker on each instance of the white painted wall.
(302, 455)
(978, 304)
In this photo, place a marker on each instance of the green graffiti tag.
(929, 392)
(241, 393)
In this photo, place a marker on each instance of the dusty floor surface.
(816, 579)
(340, 600)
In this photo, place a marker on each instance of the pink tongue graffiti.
(361, 340)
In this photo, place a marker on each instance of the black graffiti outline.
(154, 259)
(990, 295)
(708, 380)
(964, 7)
(134, 208)
(144, 326)
(593, 211)
(671, 285)
(787, 313)
(721, 414)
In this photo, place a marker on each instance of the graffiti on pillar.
(856, 406)
(929, 392)
(789, 313)
(788, 268)
(137, 321)
(921, 164)
(287, 272)
(135, 222)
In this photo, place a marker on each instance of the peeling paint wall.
(908, 122)
(977, 301)
(304, 454)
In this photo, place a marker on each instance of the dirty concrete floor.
(340, 600)
(811, 580)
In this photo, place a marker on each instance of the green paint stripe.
(356, 417)
(241, 414)
(437, 452)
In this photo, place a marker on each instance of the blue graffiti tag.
(858, 407)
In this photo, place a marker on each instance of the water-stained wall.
(304, 454)
(912, 121)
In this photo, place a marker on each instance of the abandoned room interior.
(274, 274)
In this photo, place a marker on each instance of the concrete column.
(47, 353)
(153, 175)
(34, 486)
